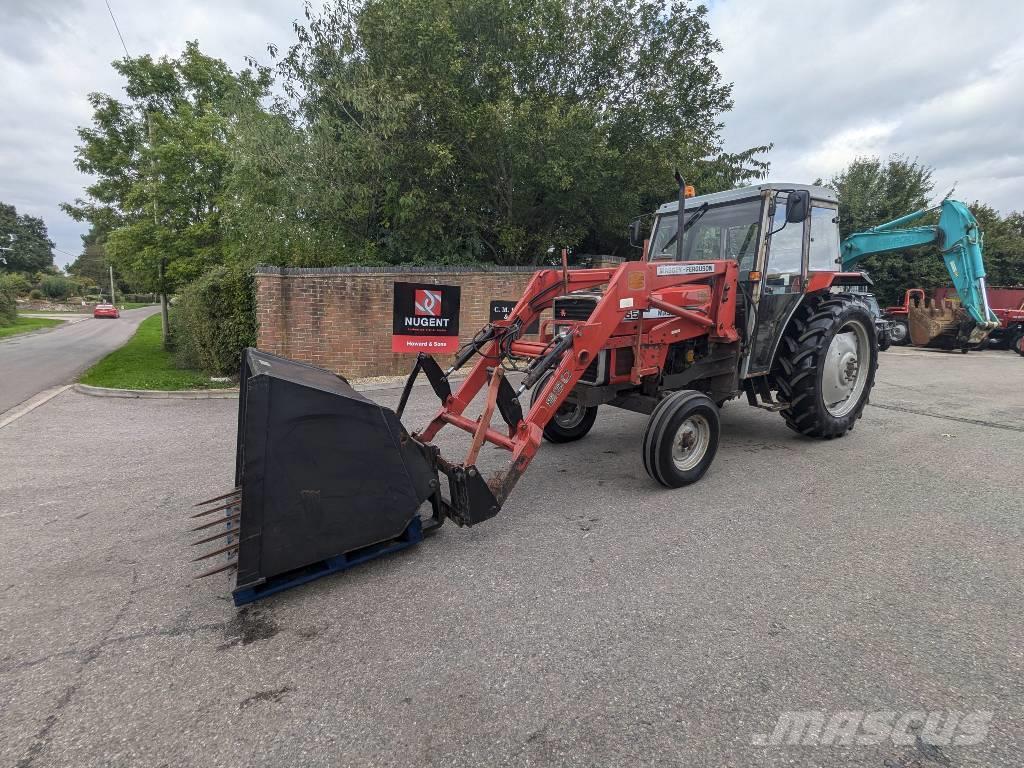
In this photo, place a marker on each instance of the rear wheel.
(1017, 345)
(899, 333)
(571, 421)
(827, 360)
(681, 438)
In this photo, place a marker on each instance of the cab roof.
(823, 194)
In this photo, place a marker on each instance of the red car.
(105, 310)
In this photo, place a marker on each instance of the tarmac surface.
(598, 620)
(32, 362)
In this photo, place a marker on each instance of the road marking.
(15, 413)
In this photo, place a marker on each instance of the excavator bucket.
(324, 478)
(940, 325)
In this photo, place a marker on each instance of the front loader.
(737, 294)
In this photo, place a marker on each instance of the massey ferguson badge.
(425, 318)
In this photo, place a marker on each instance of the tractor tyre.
(899, 333)
(681, 438)
(570, 422)
(884, 342)
(826, 361)
(1017, 345)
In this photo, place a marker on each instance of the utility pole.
(112, 298)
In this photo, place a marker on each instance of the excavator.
(937, 324)
(744, 293)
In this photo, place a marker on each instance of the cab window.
(824, 240)
(785, 254)
(727, 231)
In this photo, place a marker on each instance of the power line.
(113, 19)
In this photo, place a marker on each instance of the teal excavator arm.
(957, 235)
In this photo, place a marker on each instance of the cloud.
(939, 81)
(825, 82)
(57, 52)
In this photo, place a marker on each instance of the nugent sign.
(425, 318)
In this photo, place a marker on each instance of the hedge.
(8, 306)
(214, 319)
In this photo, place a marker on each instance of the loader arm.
(958, 236)
(633, 286)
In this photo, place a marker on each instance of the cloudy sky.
(941, 80)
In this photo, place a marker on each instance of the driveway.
(33, 362)
(597, 621)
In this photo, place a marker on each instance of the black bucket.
(326, 477)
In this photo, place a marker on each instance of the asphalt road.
(598, 620)
(30, 363)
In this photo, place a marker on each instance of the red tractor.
(737, 293)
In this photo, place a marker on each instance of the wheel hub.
(843, 378)
(691, 442)
(569, 415)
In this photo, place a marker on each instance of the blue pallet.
(413, 534)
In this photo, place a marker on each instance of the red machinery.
(750, 304)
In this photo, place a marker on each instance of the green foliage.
(35, 294)
(16, 283)
(8, 306)
(159, 160)
(1003, 246)
(143, 363)
(56, 286)
(214, 319)
(431, 131)
(871, 192)
(31, 248)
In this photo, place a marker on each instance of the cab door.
(777, 294)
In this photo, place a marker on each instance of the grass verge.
(25, 324)
(143, 363)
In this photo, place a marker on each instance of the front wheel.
(681, 438)
(1018, 344)
(826, 365)
(570, 422)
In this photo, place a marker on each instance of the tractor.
(736, 294)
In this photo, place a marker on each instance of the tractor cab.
(780, 235)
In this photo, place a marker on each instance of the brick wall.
(340, 318)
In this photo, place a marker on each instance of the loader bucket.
(324, 478)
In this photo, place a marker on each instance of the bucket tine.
(216, 509)
(232, 492)
(218, 521)
(221, 551)
(229, 532)
(204, 574)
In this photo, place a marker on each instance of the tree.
(1004, 245)
(440, 131)
(159, 160)
(872, 191)
(31, 248)
(91, 263)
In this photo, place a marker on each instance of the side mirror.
(798, 205)
(636, 233)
